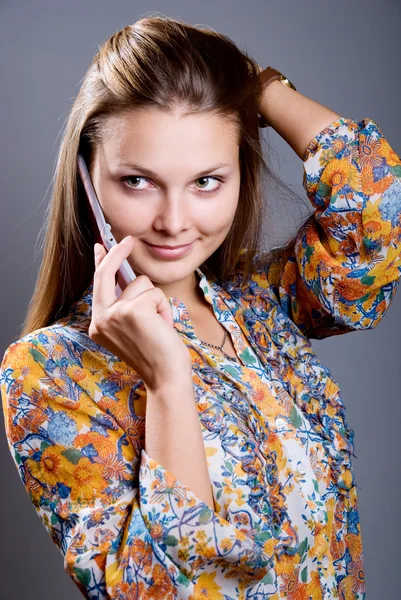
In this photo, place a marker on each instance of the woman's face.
(157, 177)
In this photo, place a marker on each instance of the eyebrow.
(151, 173)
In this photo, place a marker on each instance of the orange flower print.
(161, 587)
(165, 484)
(113, 468)
(370, 151)
(351, 289)
(138, 552)
(340, 172)
(15, 432)
(34, 421)
(52, 467)
(124, 377)
(355, 569)
(338, 145)
(314, 587)
(388, 154)
(346, 588)
(354, 544)
(104, 446)
(371, 186)
(292, 588)
(88, 481)
(129, 591)
(135, 429)
(33, 487)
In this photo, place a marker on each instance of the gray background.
(345, 55)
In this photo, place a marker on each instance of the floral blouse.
(285, 521)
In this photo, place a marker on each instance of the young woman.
(183, 440)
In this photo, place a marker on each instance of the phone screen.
(101, 229)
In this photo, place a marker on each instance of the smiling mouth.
(168, 247)
(170, 252)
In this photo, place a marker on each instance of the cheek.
(225, 217)
(220, 214)
(125, 220)
(217, 225)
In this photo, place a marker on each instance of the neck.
(187, 291)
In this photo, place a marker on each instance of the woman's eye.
(205, 190)
(125, 179)
(214, 189)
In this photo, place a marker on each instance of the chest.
(208, 329)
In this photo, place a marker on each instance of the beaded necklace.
(234, 359)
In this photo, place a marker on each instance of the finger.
(104, 279)
(135, 288)
(99, 254)
(162, 306)
(153, 296)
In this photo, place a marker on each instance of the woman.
(238, 483)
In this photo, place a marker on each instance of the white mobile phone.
(101, 229)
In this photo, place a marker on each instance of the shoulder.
(17, 352)
(258, 271)
(39, 345)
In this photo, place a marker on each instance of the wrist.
(179, 385)
(274, 97)
(267, 77)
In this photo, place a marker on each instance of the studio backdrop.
(345, 55)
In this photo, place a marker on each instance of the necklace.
(234, 359)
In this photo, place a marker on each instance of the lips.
(168, 247)
(169, 252)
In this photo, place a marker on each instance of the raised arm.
(342, 270)
(295, 117)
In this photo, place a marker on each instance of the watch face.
(286, 81)
(280, 77)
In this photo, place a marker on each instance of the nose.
(173, 214)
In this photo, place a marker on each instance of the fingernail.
(126, 240)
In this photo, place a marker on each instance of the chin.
(166, 271)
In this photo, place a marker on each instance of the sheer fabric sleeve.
(126, 527)
(343, 268)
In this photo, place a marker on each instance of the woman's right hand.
(138, 327)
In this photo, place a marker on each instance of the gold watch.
(266, 77)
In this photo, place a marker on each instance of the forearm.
(174, 439)
(295, 117)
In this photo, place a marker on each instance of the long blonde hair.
(155, 62)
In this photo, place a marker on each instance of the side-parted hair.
(164, 63)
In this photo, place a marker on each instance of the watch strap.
(267, 76)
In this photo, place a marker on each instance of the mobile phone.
(101, 229)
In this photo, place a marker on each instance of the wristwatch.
(266, 77)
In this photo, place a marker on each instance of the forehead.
(158, 136)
